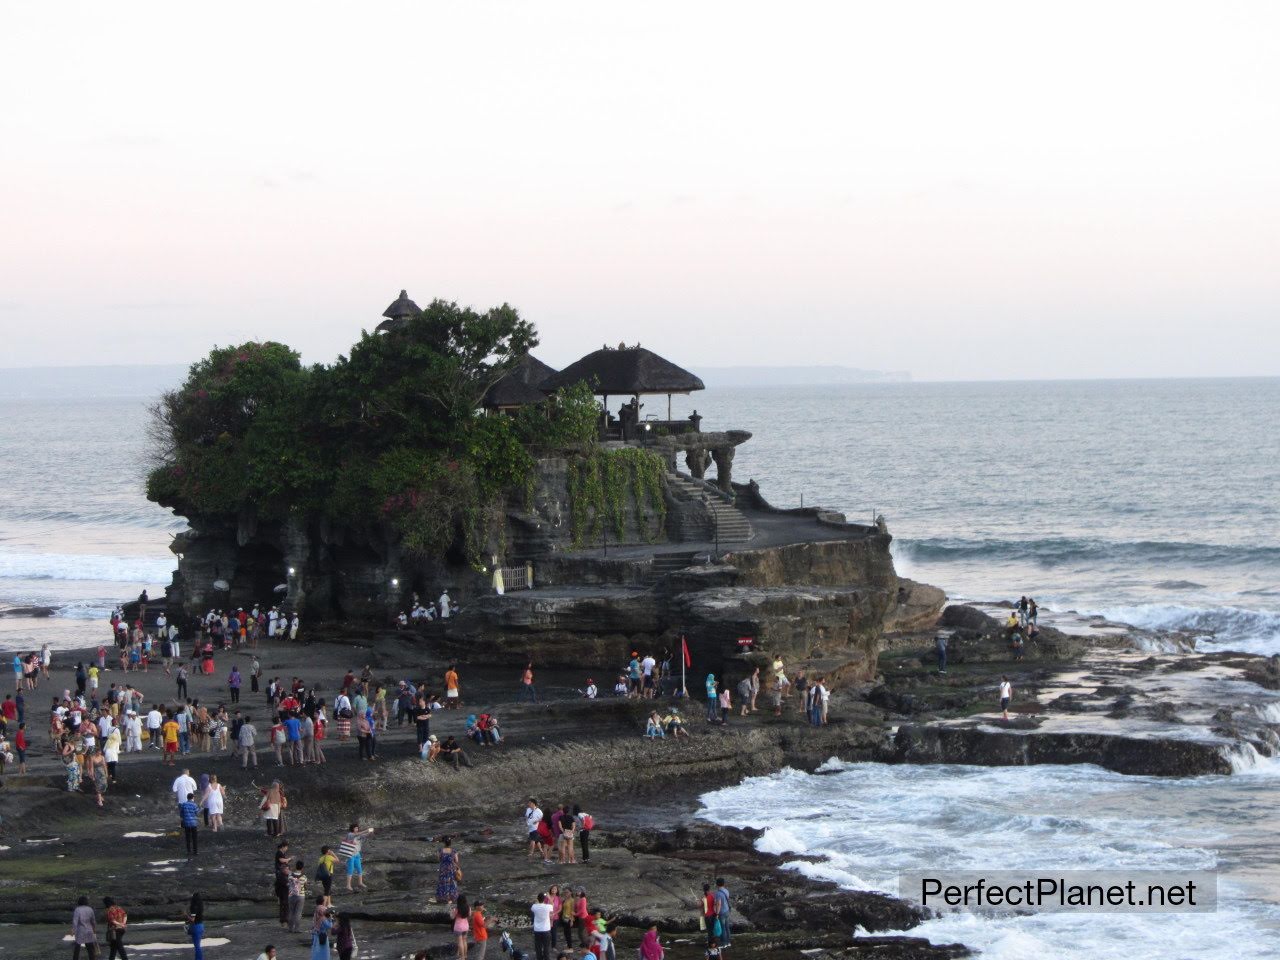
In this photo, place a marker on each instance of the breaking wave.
(1226, 627)
(85, 566)
(1061, 551)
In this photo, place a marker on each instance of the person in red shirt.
(20, 745)
(9, 709)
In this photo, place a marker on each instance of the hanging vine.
(598, 484)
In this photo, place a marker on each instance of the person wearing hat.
(591, 692)
(431, 748)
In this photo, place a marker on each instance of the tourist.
(713, 698)
(280, 873)
(586, 823)
(272, 807)
(755, 687)
(246, 738)
(454, 753)
(725, 705)
(722, 912)
(647, 667)
(268, 953)
(364, 734)
(20, 747)
(581, 914)
(591, 691)
(779, 692)
(189, 816)
(324, 872)
(708, 905)
(294, 625)
(352, 847)
(566, 916)
(431, 749)
(233, 683)
(1006, 694)
(527, 690)
(84, 930)
(532, 817)
(99, 775)
(620, 688)
(1033, 611)
(183, 784)
(452, 694)
(320, 933)
(319, 730)
(293, 739)
(713, 949)
(195, 924)
(633, 675)
(344, 937)
(541, 912)
(568, 834)
(744, 696)
(117, 924)
(422, 719)
(650, 947)
(653, 726)
(461, 915)
(1018, 645)
(155, 719)
(602, 939)
(557, 904)
(449, 872)
(169, 733)
(479, 930)
(297, 896)
(214, 803)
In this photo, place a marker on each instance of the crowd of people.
(90, 728)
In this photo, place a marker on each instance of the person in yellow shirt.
(324, 872)
(169, 734)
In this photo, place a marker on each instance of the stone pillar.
(723, 456)
(697, 461)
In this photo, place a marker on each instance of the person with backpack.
(324, 872)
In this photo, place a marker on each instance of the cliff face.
(826, 603)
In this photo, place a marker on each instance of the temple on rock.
(646, 537)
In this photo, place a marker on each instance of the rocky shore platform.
(649, 853)
(1087, 692)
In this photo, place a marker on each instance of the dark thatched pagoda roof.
(401, 309)
(625, 372)
(520, 386)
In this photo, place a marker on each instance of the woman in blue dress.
(450, 873)
(321, 930)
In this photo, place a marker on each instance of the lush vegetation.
(598, 485)
(392, 434)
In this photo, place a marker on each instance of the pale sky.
(962, 190)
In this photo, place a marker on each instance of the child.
(725, 704)
(713, 949)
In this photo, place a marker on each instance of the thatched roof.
(401, 309)
(625, 372)
(520, 386)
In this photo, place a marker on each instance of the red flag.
(684, 647)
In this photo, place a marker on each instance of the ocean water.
(867, 822)
(1154, 502)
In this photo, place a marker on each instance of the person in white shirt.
(183, 784)
(133, 732)
(154, 722)
(1006, 694)
(161, 624)
(446, 605)
(592, 691)
(541, 927)
(646, 668)
(272, 617)
(293, 628)
(104, 725)
(532, 817)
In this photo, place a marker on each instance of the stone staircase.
(728, 524)
(665, 563)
